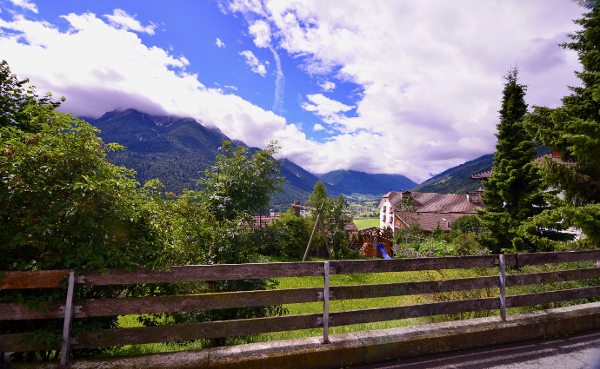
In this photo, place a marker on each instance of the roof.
(482, 175)
(440, 203)
(264, 220)
(429, 221)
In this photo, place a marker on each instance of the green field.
(362, 223)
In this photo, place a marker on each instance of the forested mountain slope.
(351, 182)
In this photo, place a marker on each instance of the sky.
(398, 87)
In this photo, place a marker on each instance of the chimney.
(473, 196)
(405, 195)
(296, 208)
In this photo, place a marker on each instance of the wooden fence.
(69, 310)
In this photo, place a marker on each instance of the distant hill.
(457, 179)
(350, 182)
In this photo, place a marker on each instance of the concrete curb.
(364, 347)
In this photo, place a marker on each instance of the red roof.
(429, 221)
(434, 208)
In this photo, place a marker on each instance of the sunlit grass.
(366, 222)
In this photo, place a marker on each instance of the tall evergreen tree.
(574, 131)
(513, 193)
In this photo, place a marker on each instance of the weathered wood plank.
(216, 272)
(413, 311)
(180, 303)
(402, 265)
(553, 296)
(537, 258)
(551, 277)
(164, 304)
(12, 311)
(11, 343)
(194, 331)
(39, 279)
(412, 288)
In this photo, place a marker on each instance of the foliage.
(238, 183)
(20, 106)
(408, 212)
(465, 244)
(334, 219)
(572, 130)
(514, 192)
(63, 206)
(289, 236)
(465, 224)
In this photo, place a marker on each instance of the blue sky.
(398, 87)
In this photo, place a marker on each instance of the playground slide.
(383, 252)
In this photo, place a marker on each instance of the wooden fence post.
(502, 267)
(69, 309)
(326, 269)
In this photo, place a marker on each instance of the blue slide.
(383, 252)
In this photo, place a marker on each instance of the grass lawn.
(362, 223)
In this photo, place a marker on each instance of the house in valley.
(427, 209)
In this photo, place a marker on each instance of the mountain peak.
(159, 120)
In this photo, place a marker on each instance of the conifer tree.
(513, 193)
(573, 130)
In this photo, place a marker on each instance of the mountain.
(175, 149)
(351, 182)
(457, 180)
(171, 149)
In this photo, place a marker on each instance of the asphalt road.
(575, 351)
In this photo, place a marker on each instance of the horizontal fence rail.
(243, 299)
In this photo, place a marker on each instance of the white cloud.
(220, 43)
(253, 63)
(113, 69)
(318, 127)
(327, 86)
(430, 73)
(231, 87)
(261, 32)
(121, 19)
(25, 4)
(329, 110)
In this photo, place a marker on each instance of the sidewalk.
(577, 350)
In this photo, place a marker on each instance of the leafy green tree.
(572, 130)
(288, 236)
(20, 106)
(240, 182)
(64, 206)
(238, 185)
(319, 198)
(514, 192)
(465, 224)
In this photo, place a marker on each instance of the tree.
(20, 106)
(64, 206)
(239, 182)
(514, 191)
(572, 130)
